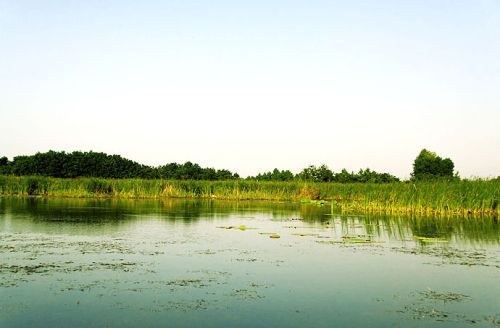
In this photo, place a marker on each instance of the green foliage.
(4, 165)
(190, 171)
(324, 174)
(100, 165)
(274, 175)
(428, 165)
(316, 174)
(78, 164)
(3, 161)
(364, 176)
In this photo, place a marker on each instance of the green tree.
(274, 175)
(316, 173)
(4, 165)
(101, 165)
(428, 165)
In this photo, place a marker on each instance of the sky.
(253, 85)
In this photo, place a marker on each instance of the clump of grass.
(37, 186)
(99, 186)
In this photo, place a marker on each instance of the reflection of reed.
(115, 211)
(462, 230)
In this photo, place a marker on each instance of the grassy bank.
(430, 198)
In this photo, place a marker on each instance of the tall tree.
(3, 161)
(316, 173)
(428, 165)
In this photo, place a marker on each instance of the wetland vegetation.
(434, 189)
(436, 197)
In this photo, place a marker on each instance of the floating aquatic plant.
(350, 241)
(444, 296)
(241, 227)
(430, 239)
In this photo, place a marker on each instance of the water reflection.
(117, 212)
(115, 262)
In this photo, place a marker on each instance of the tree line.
(324, 174)
(427, 165)
(101, 165)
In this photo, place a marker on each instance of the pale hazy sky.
(253, 85)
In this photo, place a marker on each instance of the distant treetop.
(323, 174)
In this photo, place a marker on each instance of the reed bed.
(461, 198)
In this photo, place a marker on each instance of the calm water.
(80, 263)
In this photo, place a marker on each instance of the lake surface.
(185, 263)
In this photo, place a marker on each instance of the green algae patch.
(305, 234)
(274, 236)
(445, 297)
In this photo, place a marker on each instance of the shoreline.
(443, 198)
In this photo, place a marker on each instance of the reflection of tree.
(68, 210)
(114, 209)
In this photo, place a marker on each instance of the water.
(81, 263)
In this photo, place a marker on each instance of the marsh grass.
(463, 198)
